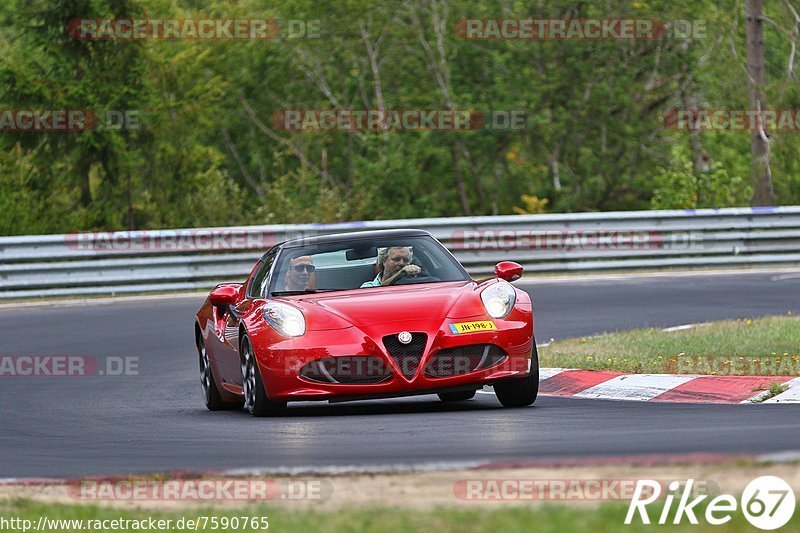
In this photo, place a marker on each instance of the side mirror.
(508, 270)
(224, 295)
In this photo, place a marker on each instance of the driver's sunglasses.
(307, 268)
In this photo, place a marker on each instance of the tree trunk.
(763, 193)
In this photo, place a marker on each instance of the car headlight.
(499, 299)
(285, 319)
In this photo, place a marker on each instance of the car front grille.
(406, 356)
(347, 370)
(463, 360)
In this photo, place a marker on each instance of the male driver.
(394, 262)
(298, 276)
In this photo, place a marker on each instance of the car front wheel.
(520, 392)
(255, 395)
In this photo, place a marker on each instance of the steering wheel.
(422, 277)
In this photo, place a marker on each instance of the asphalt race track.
(155, 421)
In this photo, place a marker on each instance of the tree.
(763, 193)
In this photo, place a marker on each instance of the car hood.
(366, 307)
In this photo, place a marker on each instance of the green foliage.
(679, 187)
(531, 205)
(209, 153)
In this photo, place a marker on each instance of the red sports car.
(364, 315)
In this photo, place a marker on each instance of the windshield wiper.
(305, 291)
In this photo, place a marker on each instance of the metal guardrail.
(170, 260)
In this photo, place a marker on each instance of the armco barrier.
(168, 260)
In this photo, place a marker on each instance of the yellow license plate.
(472, 327)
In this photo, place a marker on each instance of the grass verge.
(766, 346)
(482, 516)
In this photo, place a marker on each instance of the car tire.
(211, 395)
(520, 392)
(255, 394)
(456, 396)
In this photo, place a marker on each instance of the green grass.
(480, 516)
(775, 388)
(766, 346)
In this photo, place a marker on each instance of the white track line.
(679, 328)
(353, 469)
(784, 277)
(546, 373)
(788, 456)
(790, 396)
(639, 387)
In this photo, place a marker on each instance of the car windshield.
(363, 264)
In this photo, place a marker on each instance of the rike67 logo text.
(767, 502)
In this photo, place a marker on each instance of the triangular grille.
(406, 356)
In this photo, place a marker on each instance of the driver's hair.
(297, 255)
(383, 253)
